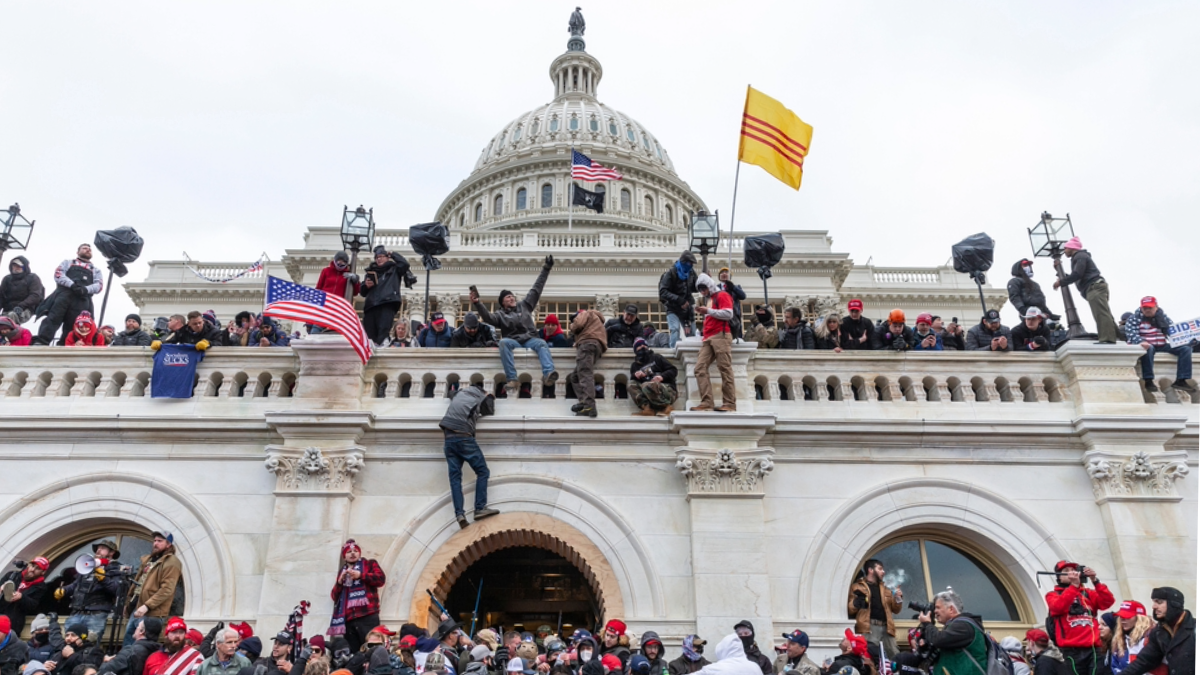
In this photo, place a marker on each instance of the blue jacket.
(430, 338)
(917, 338)
(277, 338)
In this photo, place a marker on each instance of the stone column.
(725, 470)
(688, 351)
(448, 303)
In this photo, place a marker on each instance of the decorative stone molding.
(794, 301)
(725, 473)
(608, 304)
(827, 304)
(448, 303)
(1138, 477)
(313, 470)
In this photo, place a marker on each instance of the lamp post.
(17, 230)
(706, 235)
(358, 233)
(1047, 238)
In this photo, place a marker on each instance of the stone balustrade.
(785, 383)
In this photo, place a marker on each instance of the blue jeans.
(675, 326)
(130, 626)
(538, 345)
(95, 624)
(1183, 369)
(465, 449)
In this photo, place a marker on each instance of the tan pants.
(717, 348)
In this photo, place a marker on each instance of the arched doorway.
(522, 588)
(520, 554)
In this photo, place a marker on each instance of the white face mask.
(1028, 271)
(585, 655)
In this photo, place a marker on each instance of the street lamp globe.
(358, 228)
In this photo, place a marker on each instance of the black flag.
(587, 199)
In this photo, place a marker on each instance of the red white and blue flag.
(286, 300)
(583, 168)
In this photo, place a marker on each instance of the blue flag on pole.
(175, 371)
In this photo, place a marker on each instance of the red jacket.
(332, 281)
(1079, 630)
(372, 578)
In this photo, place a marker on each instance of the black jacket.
(621, 334)
(979, 338)
(89, 653)
(1178, 651)
(91, 595)
(655, 364)
(132, 338)
(1083, 274)
(517, 323)
(799, 336)
(21, 290)
(130, 660)
(884, 339)
(13, 655)
(853, 660)
(853, 330)
(1044, 664)
(1024, 292)
(681, 666)
(482, 338)
(673, 292)
(187, 336)
(16, 612)
(1023, 338)
(387, 281)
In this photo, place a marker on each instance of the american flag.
(286, 300)
(583, 168)
(185, 662)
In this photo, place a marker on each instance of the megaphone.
(87, 563)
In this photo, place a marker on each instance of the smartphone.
(474, 290)
(954, 319)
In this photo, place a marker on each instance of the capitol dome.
(522, 179)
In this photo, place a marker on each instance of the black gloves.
(860, 600)
(549, 262)
(410, 279)
(352, 278)
(216, 629)
(79, 289)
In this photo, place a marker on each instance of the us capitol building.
(956, 469)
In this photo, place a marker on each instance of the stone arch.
(604, 541)
(517, 529)
(1013, 537)
(38, 519)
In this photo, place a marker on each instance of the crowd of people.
(1078, 638)
(694, 304)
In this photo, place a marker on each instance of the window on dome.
(517, 133)
(612, 127)
(500, 145)
(626, 200)
(573, 124)
(553, 124)
(594, 124)
(521, 199)
(668, 214)
(533, 127)
(658, 149)
(646, 142)
(649, 206)
(478, 212)
(923, 566)
(547, 196)
(630, 134)
(462, 220)
(498, 205)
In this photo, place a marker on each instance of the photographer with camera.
(21, 591)
(961, 644)
(94, 594)
(871, 604)
(1073, 608)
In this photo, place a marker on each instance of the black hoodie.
(23, 290)
(752, 651)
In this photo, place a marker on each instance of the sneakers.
(480, 514)
(550, 378)
(589, 411)
(645, 412)
(665, 411)
(511, 387)
(462, 520)
(1150, 386)
(1183, 385)
(577, 407)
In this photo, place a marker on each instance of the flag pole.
(733, 212)
(571, 197)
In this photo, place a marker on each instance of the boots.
(646, 411)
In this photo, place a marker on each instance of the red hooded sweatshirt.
(331, 281)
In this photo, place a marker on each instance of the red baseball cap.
(1130, 609)
(382, 630)
(1063, 564)
(175, 623)
(855, 304)
(408, 642)
(616, 625)
(1149, 301)
(194, 636)
(1038, 636)
(611, 662)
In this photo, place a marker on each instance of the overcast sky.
(225, 129)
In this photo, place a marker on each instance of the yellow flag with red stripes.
(774, 138)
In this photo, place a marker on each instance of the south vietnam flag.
(774, 138)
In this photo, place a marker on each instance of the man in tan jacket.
(153, 588)
(591, 341)
(871, 604)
